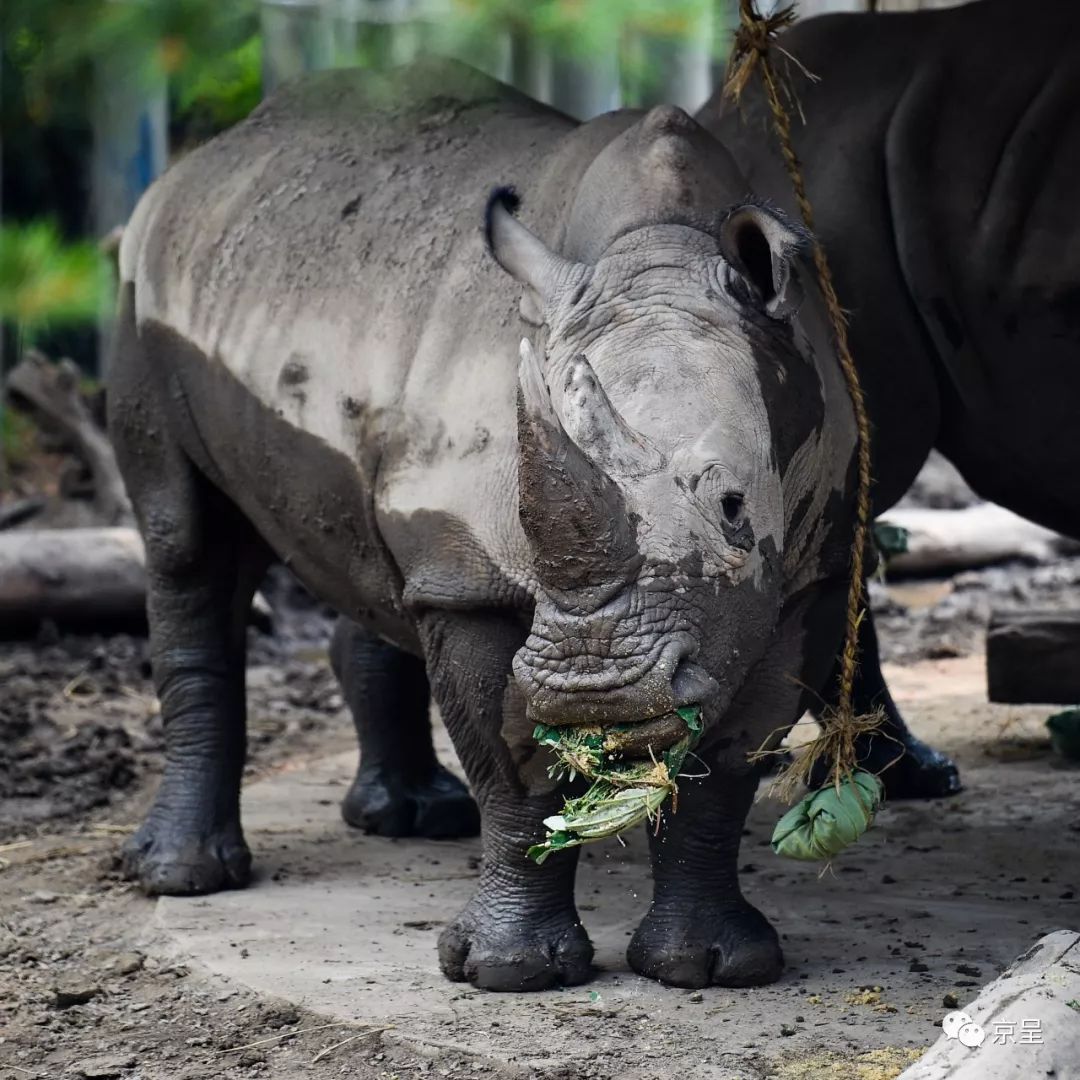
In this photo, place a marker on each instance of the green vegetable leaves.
(828, 820)
(625, 790)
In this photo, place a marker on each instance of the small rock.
(697, 997)
(950, 1000)
(787, 1029)
(968, 969)
(103, 1068)
(918, 965)
(75, 992)
(126, 963)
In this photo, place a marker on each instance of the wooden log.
(71, 576)
(1034, 656)
(941, 541)
(94, 577)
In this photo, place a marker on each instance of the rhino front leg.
(909, 768)
(520, 931)
(400, 788)
(700, 931)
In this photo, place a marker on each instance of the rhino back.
(316, 280)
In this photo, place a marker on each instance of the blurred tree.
(44, 281)
(62, 63)
(582, 55)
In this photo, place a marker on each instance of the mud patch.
(80, 730)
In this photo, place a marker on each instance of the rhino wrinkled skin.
(585, 464)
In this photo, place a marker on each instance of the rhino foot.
(731, 946)
(384, 804)
(515, 954)
(922, 773)
(168, 859)
(908, 767)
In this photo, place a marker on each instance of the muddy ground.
(80, 749)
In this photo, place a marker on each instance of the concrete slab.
(937, 899)
(1024, 1024)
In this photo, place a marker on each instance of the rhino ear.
(524, 256)
(762, 246)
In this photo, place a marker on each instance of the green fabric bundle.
(1065, 733)
(625, 790)
(828, 820)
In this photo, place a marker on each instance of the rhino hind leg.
(700, 930)
(400, 788)
(909, 768)
(203, 562)
(201, 577)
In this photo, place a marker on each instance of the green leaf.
(691, 715)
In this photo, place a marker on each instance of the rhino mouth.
(648, 737)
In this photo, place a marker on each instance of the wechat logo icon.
(960, 1026)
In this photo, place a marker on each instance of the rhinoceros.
(940, 151)
(592, 463)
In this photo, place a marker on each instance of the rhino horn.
(596, 426)
(572, 512)
(523, 255)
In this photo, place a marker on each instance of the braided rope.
(751, 52)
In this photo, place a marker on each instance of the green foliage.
(53, 43)
(584, 27)
(45, 282)
(223, 87)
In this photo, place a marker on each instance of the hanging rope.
(754, 40)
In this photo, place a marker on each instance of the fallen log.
(72, 576)
(1034, 657)
(942, 541)
(93, 578)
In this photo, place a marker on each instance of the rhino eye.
(732, 505)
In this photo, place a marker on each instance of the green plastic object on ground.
(1065, 733)
(890, 539)
(625, 790)
(830, 819)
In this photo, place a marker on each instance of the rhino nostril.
(692, 684)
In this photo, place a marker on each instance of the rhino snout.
(577, 689)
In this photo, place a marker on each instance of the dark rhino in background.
(941, 151)
(646, 503)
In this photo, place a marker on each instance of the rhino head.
(668, 408)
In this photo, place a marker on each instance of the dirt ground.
(84, 992)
